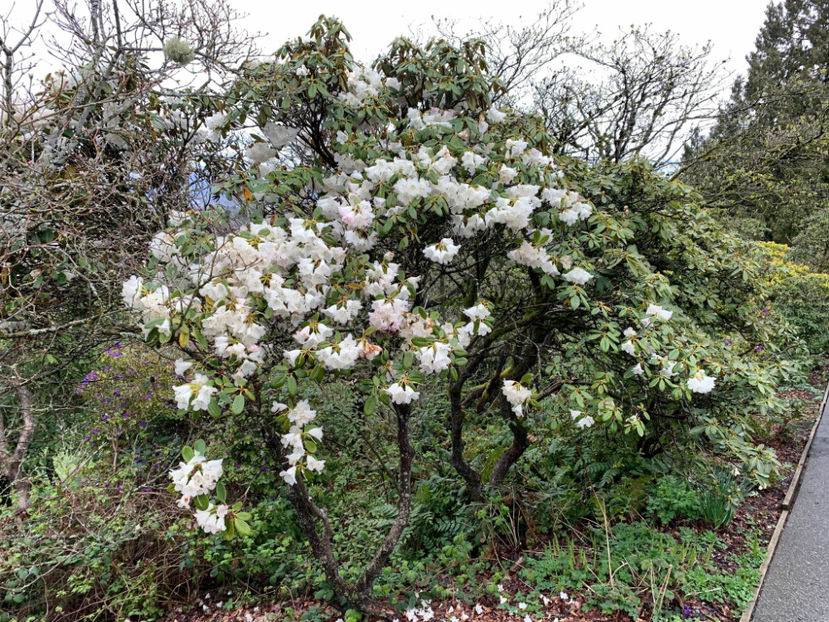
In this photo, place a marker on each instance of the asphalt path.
(796, 587)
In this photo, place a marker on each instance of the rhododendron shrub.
(403, 234)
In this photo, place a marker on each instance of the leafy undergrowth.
(671, 567)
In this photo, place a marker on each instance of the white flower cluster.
(442, 252)
(401, 393)
(321, 281)
(212, 520)
(517, 395)
(197, 476)
(700, 383)
(299, 416)
(364, 84)
(198, 388)
(581, 422)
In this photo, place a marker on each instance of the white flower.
(182, 366)
(301, 414)
(289, 475)
(215, 121)
(507, 173)
(212, 520)
(579, 276)
(585, 422)
(131, 292)
(472, 161)
(183, 394)
(494, 115)
(279, 135)
(434, 358)
(259, 152)
(515, 147)
(517, 395)
(203, 393)
(581, 422)
(442, 252)
(402, 394)
(196, 476)
(478, 312)
(700, 383)
(656, 311)
(628, 347)
(637, 369)
(314, 464)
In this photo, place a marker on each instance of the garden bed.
(736, 552)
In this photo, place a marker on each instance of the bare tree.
(638, 96)
(92, 160)
(519, 55)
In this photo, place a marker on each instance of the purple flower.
(758, 349)
(728, 342)
(765, 309)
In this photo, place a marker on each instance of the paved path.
(796, 588)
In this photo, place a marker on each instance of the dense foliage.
(598, 294)
(400, 337)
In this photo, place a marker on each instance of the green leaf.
(200, 447)
(238, 404)
(202, 502)
(371, 405)
(187, 453)
(221, 492)
(242, 527)
(291, 384)
(213, 408)
(422, 342)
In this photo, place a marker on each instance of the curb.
(786, 506)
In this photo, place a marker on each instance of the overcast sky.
(731, 25)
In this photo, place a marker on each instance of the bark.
(456, 420)
(316, 526)
(13, 464)
(520, 442)
(404, 503)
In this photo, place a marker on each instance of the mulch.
(758, 514)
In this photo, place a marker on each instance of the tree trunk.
(12, 465)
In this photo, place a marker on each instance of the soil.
(759, 513)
